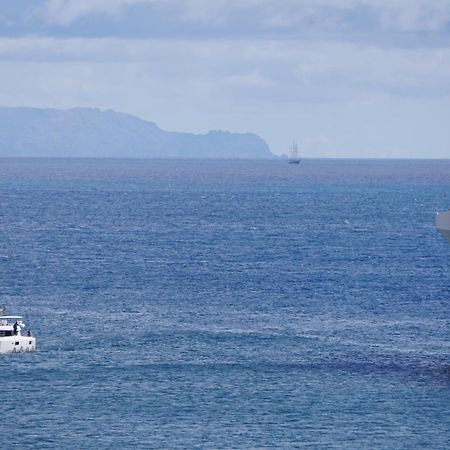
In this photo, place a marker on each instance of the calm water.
(226, 304)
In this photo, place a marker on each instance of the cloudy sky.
(346, 78)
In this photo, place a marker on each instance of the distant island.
(89, 132)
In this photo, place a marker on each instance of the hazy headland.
(89, 132)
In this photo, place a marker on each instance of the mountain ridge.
(91, 132)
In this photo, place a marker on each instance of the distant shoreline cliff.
(88, 132)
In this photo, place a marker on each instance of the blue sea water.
(226, 304)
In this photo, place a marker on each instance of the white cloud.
(249, 80)
(308, 70)
(395, 15)
(417, 15)
(423, 70)
(66, 12)
(251, 15)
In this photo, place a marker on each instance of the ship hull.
(17, 344)
(443, 224)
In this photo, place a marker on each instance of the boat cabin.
(11, 325)
(12, 337)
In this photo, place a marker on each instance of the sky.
(344, 78)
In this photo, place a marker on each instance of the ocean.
(226, 304)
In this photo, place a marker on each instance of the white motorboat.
(12, 337)
(443, 223)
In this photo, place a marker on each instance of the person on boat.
(15, 328)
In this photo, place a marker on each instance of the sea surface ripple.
(226, 304)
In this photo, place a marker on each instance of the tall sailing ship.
(294, 157)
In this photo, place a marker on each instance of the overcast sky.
(346, 78)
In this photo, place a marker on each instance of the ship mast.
(294, 158)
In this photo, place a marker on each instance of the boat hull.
(17, 344)
(443, 223)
